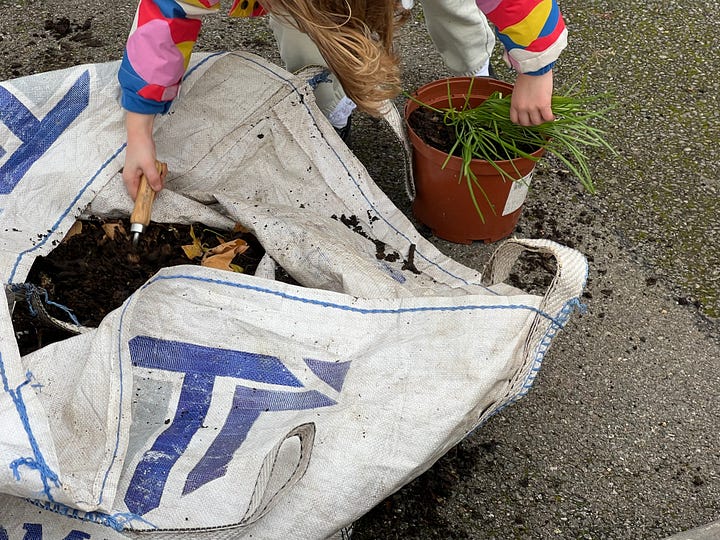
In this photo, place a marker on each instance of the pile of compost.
(97, 267)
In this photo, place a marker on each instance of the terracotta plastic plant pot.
(443, 200)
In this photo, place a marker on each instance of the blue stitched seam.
(38, 463)
(201, 62)
(354, 309)
(556, 325)
(119, 418)
(113, 521)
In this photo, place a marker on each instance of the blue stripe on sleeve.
(541, 70)
(170, 9)
(508, 43)
(131, 83)
(552, 21)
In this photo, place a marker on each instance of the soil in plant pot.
(94, 271)
(430, 126)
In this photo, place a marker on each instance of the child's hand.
(530, 104)
(140, 153)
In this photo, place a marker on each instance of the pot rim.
(431, 151)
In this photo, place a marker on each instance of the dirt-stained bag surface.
(232, 403)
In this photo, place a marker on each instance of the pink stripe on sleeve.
(153, 54)
(486, 6)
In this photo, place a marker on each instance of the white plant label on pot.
(518, 192)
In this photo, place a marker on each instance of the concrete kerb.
(711, 531)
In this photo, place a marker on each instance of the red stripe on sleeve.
(545, 42)
(184, 29)
(148, 11)
(181, 29)
(510, 12)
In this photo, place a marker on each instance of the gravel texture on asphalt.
(618, 439)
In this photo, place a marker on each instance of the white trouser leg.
(298, 51)
(461, 35)
(458, 29)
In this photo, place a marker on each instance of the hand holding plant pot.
(472, 165)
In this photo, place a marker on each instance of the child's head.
(355, 37)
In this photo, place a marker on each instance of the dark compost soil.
(93, 274)
(93, 271)
(432, 130)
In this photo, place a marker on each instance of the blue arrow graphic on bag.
(37, 135)
(34, 531)
(201, 366)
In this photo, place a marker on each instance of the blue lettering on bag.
(33, 531)
(37, 135)
(201, 366)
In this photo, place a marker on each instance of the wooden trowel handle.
(145, 198)
(143, 203)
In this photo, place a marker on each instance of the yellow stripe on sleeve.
(185, 48)
(528, 30)
(242, 8)
(206, 4)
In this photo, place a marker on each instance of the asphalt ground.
(618, 439)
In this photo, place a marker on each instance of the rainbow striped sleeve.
(246, 8)
(533, 32)
(159, 46)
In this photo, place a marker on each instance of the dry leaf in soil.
(194, 250)
(113, 228)
(74, 231)
(221, 256)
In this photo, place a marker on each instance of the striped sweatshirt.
(532, 31)
(164, 33)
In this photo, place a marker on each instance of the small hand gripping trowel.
(140, 217)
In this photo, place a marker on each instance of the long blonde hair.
(355, 37)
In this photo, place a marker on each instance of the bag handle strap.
(395, 120)
(570, 276)
(263, 500)
(554, 310)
